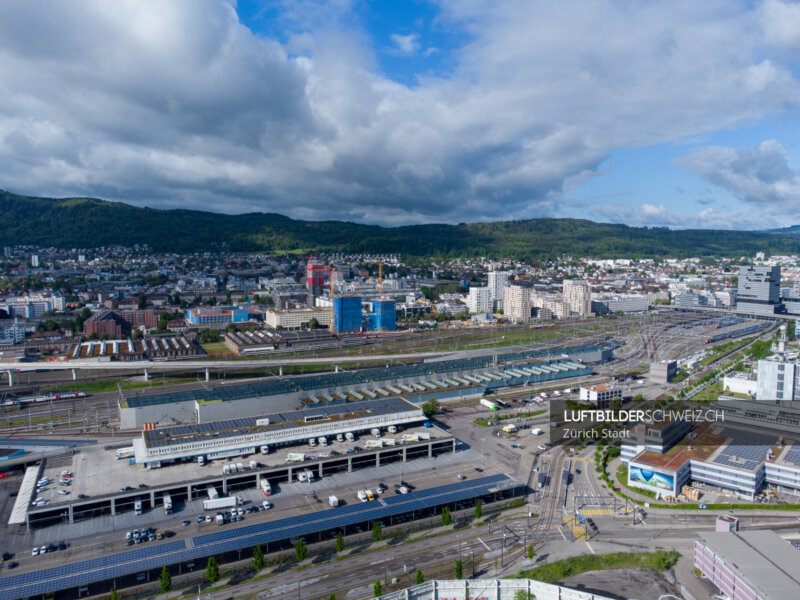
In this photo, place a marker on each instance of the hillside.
(89, 222)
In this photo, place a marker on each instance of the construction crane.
(330, 276)
(380, 280)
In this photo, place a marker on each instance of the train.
(45, 398)
(737, 333)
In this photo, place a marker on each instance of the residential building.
(106, 323)
(517, 303)
(479, 300)
(12, 334)
(578, 296)
(497, 281)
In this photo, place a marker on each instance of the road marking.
(590, 548)
(562, 534)
(484, 544)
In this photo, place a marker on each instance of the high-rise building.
(383, 316)
(34, 260)
(778, 379)
(517, 303)
(347, 314)
(315, 277)
(759, 290)
(578, 295)
(497, 284)
(479, 300)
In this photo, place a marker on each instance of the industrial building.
(296, 318)
(719, 458)
(749, 565)
(600, 395)
(132, 567)
(663, 371)
(242, 437)
(439, 379)
(157, 346)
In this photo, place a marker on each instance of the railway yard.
(321, 448)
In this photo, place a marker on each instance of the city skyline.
(410, 112)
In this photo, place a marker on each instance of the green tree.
(313, 323)
(332, 597)
(300, 550)
(430, 407)
(790, 330)
(339, 542)
(478, 510)
(377, 532)
(377, 589)
(446, 518)
(48, 325)
(113, 595)
(531, 552)
(459, 569)
(165, 581)
(212, 570)
(209, 336)
(419, 577)
(258, 558)
(142, 302)
(137, 334)
(523, 595)
(616, 403)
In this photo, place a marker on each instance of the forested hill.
(88, 223)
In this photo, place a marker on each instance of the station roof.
(363, 376)
(157, 555)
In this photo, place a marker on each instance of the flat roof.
(761, 558)
(700, 448)
(19, 512)
(182, 434)
(153, 556)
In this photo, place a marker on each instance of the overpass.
(149, 366)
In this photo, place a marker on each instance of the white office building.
(759, 290)
(479, 300)
(578, 296)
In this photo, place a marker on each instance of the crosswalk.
(583, 459)
(596, 512)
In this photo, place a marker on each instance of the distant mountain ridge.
(90, 222)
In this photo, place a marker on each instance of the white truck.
(253, 465)
(537, 431)
(392, 429)
(362, 495)
(323, 441)
(225, 502)
(489, 404)
(137, 507)
(349, 436)
(306, 475)
(339, 437)
(333, 501)
(265, 449)
(201, 460)
(226, 470)
(312, 442)
(167, 503)
(376, 432)
(212, 492)
(266, 487)
(220, 519)
(240, 467)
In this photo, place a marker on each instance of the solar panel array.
(203, 431)
(793, 456)
(747, 450)
(288, 386)
(153, 557)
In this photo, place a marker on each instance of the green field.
(562, 569)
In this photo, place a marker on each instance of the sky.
(681, 114)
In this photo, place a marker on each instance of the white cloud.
(760, 176)
(407, 44)
(648, 215)
(179, 104)
(781, 23)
